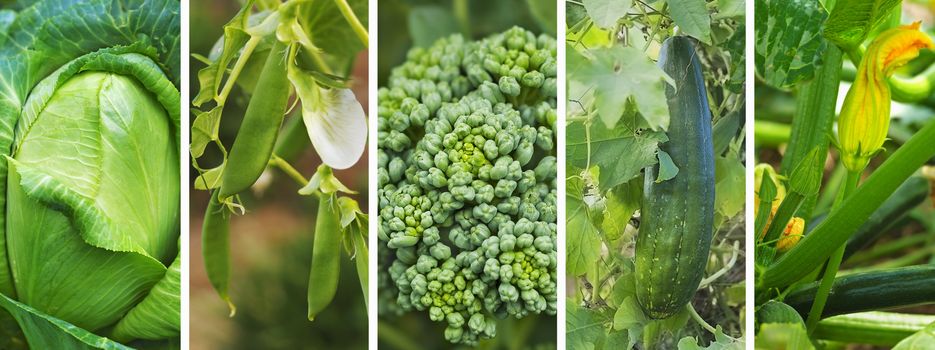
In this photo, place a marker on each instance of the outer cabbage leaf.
(89, 180)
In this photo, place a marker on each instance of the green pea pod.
(215, 237)
(326, 253)
(362, 257)
(257, 135)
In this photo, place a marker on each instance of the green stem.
(766, 251)
(831, 269)
(769, 133)
(393, 336)
(238, 67)
(351, 18)
(695, 316)
(842, 222)
(886, 249)
(463, 15)
(287, 168)
(906, 260)
(813, 119)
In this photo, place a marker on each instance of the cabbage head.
(89, 174)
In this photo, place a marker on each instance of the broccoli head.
(467, 174)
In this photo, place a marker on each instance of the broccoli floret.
(467, 175)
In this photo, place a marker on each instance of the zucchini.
(678, 214)
(777, 312)
(868, 291)
(875, 328)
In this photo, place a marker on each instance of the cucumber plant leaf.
(605, 146)
(605, 13)
(692, 18)
(584, 241)
(667, 168)
(620, 74)
(585, 328)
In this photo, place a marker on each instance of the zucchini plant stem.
(831, 269)
(842, 222)
(886, 249)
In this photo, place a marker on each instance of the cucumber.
(777, 312)
(678, 214)
(869, 291)
(875, 328)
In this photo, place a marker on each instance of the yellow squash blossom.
(796, 226)
(791, 234)
(865, 116)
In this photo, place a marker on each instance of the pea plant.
(285, 58)
(840, 192)
(655, 177)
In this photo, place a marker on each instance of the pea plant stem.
(287, 168)
(238, 67)
(352, 19)
(831, 269)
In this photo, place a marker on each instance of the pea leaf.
(605, 13)
(204, 129)
(210, 179)
(852, 20)
(606, 145)
(621, 74)
(330, 31)
(788, 40)
(692, 18)
(235, 36)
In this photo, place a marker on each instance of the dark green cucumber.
(776, 312)
(876, 328)
(869, 291)
(678, 214)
